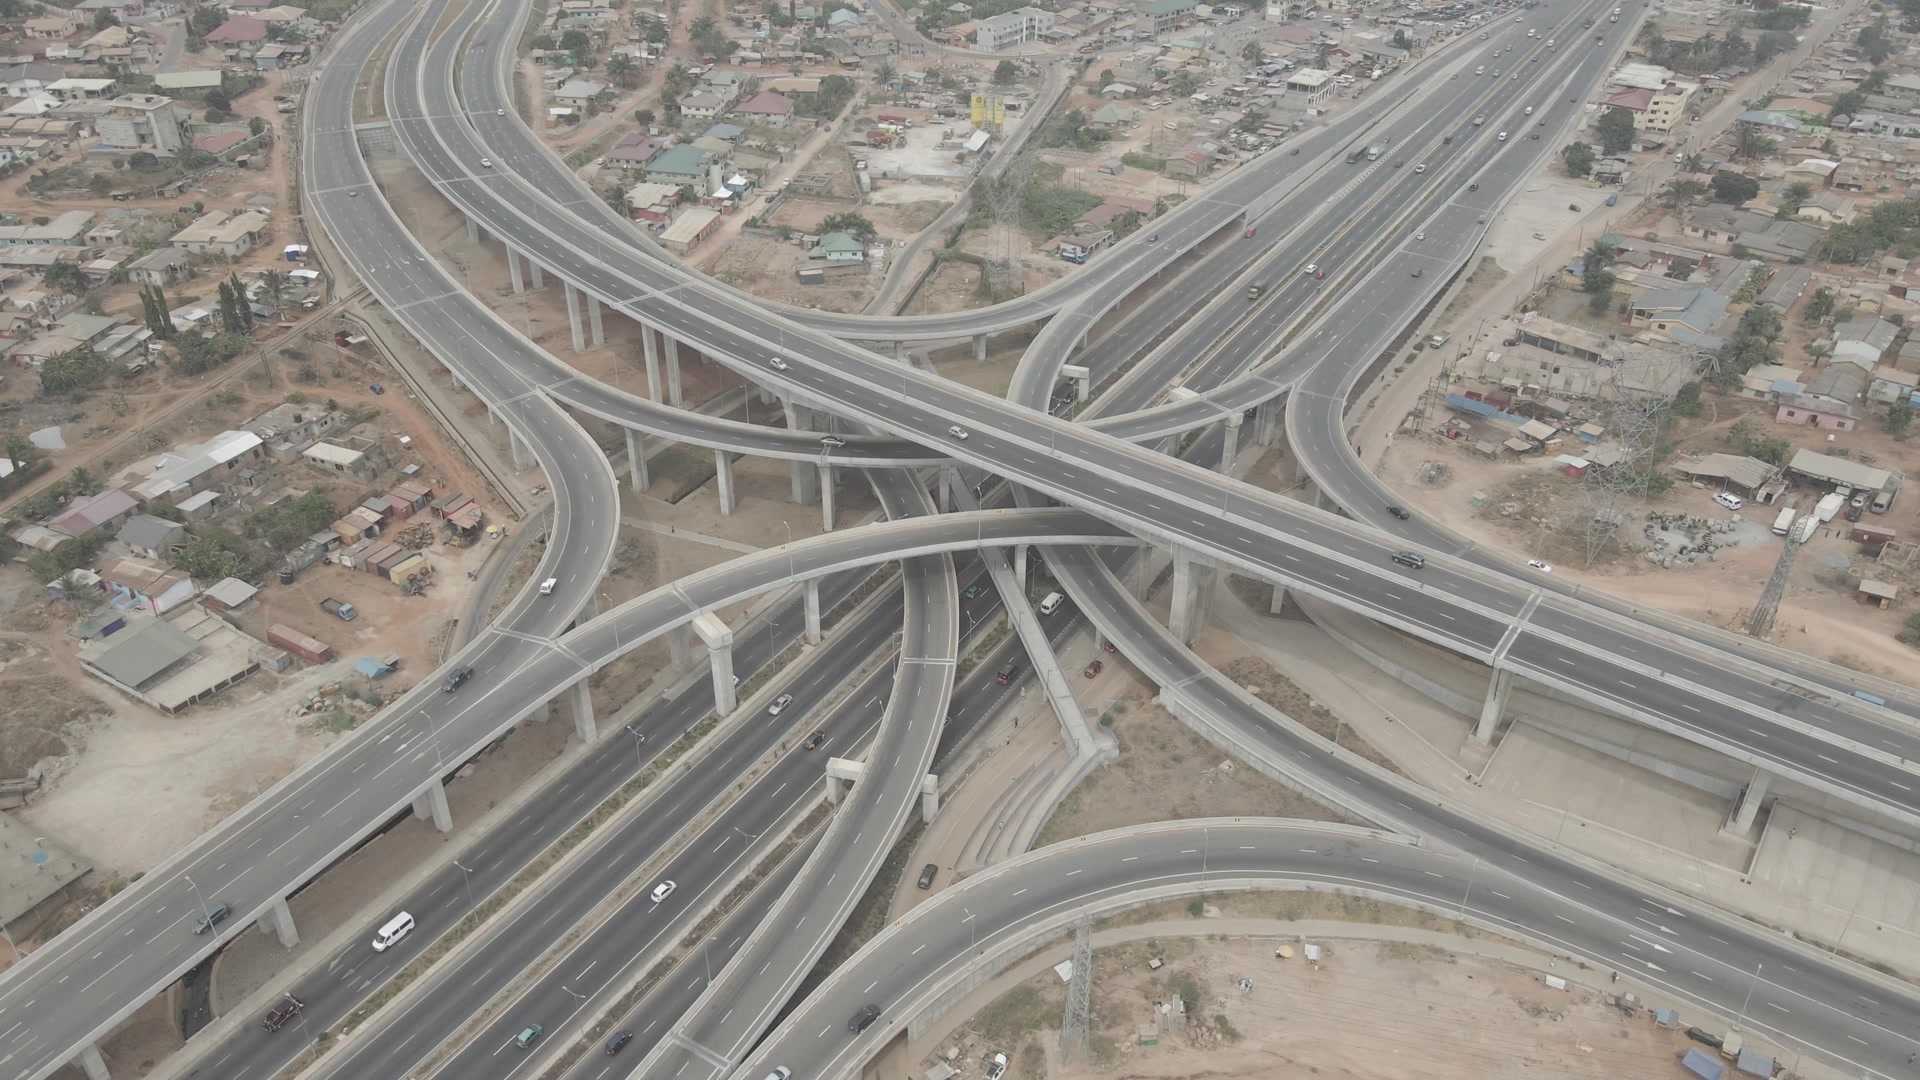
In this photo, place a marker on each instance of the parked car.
(1093, 668)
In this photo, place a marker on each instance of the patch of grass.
(1016, 1014)
(1266, 682)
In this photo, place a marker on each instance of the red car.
(1093, 668)
(1248, 235)
(1320, 275)
(1112, 648)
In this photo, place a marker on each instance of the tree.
(1686, 401)
(1252, 54)
(142, 161)
(1874, 45)
(1733, 187)
(217, 101)
(1253, 120)
(1771, 44)
(75, 369)
(1847, 104)
(103, 19)
(854, 225)
(580, 45)
(1792, 199)
(1600, 253)
(1579, 158)
(1004, 73)
(1875, 82)
(1693, 163)
(1683, 192)
(1106, 78)
(643, 117)
(255, 125)
(1819, 306)
(1898, 418)
(66, 277)
(624, 73)
(274, 287)
(884, 72)
(1615, 128)
(1749, 143)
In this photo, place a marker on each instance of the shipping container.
(312, 650)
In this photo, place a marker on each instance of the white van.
(1529, 111)
(546, 587)
(391, 933)
(1052, 603)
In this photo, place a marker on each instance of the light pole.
(198, 899)
(1738, 1020)
(639, 741)
(466, 875)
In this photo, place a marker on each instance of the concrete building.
(693, 225)
(634, 151)
(82, 89)
(687, 165)
(652, 202)
(186, 470)
(579, 93)
(142, 122)
(766, 109)
(837, 248)
(1164, 15)
(161, 266)
(220, 233)
(152, 537)
(85, 513)
(1004, 33)
(1665, 310)
(67, 230)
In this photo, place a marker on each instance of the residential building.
(652, 202)
(1863, 341)
(142, 122)
(181, 81)
(634, 151)
(23, 80)
(1784, 288)
(152, 537)
(767, 109)
(1890, 386)
(51, 27)
(1666, 108)
(239, 30)
(186, 470)
(84, 513)
(1783, 240)
(81, 89)
(1826, 208)
(1165, 15)
(67, 230)
(703, 105)
(1666, 310)
(694, 224)
(1004, 33)
(838, 247)
(579, 93)
(220, 233)
(687, 165)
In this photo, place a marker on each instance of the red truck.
(287, 1008)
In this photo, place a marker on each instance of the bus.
(1357, 153)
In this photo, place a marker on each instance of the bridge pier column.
(1020, 565)
(431, 802)
(1494, 707)
(929, 798)
(1279, 601)
(826, 497)
(1266, 422)
(723, 474)
(719, 641)
(1190, 580)
(650, 348)
(949, 483)
(573, 318)
(979, 343)
(513, 272)
(1750, 801)
(813, 611)
(805, 482)
(679, 645)
(1082, 377)
(279, 920)
(1142, 561)
(522, 458)
(1230, 441)
(900, 351)
(539, 276)
(93, 1063)
(473, 231)
(637, 460)
(674, 396)
(580, 697)
(595, 322)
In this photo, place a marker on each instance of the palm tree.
(885, 73)
(1694, 163)
(623, 71)
(1751, 144)
(274, 286)
(79, 593)
(17, 448)
(82, 482)
(1600, 254)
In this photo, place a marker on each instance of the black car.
(618, 1040)
(376, 388)
(814, 740)
(455, 679)
(927, 874)
(211, 918)
(863, 1019)
(1399, 512)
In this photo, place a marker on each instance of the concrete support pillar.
(1750, 801)
(1020, 564)
(513, 272)
(1230, 441)
(949, 481)
(1495, 706)
(719, 641)
(813, 611)
(979, 344)
(723, 475)
(1082, 377)
(92, 1063)
(826, 497)
(539, 275)
(279, 919)
(637, 460)
(1142, 562)
(833, 791)
(523, 458)
(1266, 422)
(589, 609)
(473, 231)
(805, 482)
(900, 351)
(1279, 602)
(580, 697)
(573, 318)
(679, 645)
(929, 798)
(1190, 579)
(431, 802)
(594, 321)
(674, 396)
(650, 348)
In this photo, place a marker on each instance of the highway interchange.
(520, 670)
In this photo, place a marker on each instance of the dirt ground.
(1166, 772)
(1382, 1010)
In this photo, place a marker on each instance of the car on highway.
(1154, 239)
(1254, 291)
(778, 364)
(1503, 136)
(832, 441)
(1410, 558)
(212, 917)
(1536, 564)
(1420, 168)
(1417, 271)
(1006, 673)
(1311, 268)
(486, 163)
(780, 1072)
(973, 592)
(528, 1036)
(779, 704)
(1320, 275)
(1093, 668)
(456, 679)
(662, 891)
(1399, 512)
(927, 873)
(1251, 229)
(957, 431)
(814, 740)
(863, 1019)
(1419, 236)
(284, 1010)
(618, 1040)
(547, 586)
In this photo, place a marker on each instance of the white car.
(1420, 168)
(1311, 268)
(486, 163)
(779, 704)
(1731, 502)
(499, 112)
(957, 431)
(1419, 236)
(1536, 564)
(663, 890)
(777, 364)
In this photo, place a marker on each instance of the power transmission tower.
(1760, 623)
(1076, 1026)
(1004, 200)
(1632, 399)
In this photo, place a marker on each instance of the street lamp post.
(466, 875)
(198, 899)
